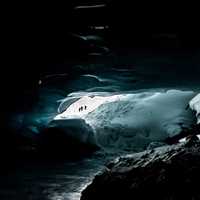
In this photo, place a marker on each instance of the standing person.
(85, 107)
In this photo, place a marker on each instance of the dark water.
(129, 74)
(50, 180)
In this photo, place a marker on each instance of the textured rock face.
(169, 172)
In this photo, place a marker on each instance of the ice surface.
(185, 139)
(195, 105)
(87, 104)
(130, 121)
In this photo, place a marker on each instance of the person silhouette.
(85, 107)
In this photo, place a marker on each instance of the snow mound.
(85, 105)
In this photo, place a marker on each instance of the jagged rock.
(185, 134)
(168, 173)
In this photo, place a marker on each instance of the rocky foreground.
(168, 173)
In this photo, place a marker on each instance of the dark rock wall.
(170, 172)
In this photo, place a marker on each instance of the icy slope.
(138, 119)
(85, 105)
(131, 121)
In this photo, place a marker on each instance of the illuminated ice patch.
(85, 105)
(185, 139)
(195, 105)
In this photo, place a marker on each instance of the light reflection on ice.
(85, 105)
(195, 105)
(185, 139)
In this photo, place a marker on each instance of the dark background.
(39, 36)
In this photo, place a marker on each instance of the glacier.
(130, 121)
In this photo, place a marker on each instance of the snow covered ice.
(88, 104)
(130, 121)
(195, 105)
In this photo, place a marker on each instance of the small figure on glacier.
(85, 107)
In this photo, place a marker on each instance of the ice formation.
(132, 120)
(195, 105)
